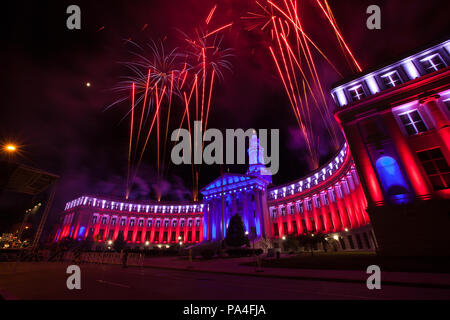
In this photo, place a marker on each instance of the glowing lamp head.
(88, 84)
(284, 238)
(110, 242)
(147, 243)
(10, 148)
(336, 237)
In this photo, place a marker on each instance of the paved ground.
(236, 266)
(48, 281)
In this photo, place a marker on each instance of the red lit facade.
(142, 224)
(329, 201)
(396, 123)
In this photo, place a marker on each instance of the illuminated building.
(396, 122)
(139, 222)
(392, 174)
(329, 200)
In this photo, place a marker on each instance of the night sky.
(62, 124)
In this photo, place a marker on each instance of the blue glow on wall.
(258, 228)
(214, 231)
(392, 179)
(81, 232)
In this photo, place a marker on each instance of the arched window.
(392, 178)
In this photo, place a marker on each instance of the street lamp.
(283, 238)
(10, 148)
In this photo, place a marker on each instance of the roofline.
(389, 62)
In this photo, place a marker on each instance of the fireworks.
(173, 88)
(161, 79)
(293, 53)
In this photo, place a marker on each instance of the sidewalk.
(234, 267)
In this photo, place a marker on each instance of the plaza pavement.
(234, 266)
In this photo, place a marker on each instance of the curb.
(341, 280)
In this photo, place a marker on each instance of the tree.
(310, 241)
(236, 236)
(291, 242)
(119, 243)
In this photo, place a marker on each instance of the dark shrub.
(207, 254)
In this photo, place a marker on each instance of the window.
(358, 241)
(391, 79)
(305, 229)
(317, 202)
(190, 223)
(166, 223)
(173, 237)
(156, 237)
(413, 123)
(149, 223)
(182, 235)
(197, 223)
(182, 223)
(366, 240)
(197, 236)
(322, 221)
(129, 235)
(94, 219)
(330, 218)
(189, 236)
(292, 210)
(350, 241)
(436, 167)
(300, 207)
(275, 230)
(285, 228)
(158, 223)
(104, 219)
(308, 205)
(113, 221)
(101, 233)
(147, 236)
(141, 223)
(325, 199)
(274, 213)
(110, 234)
(132, 221)
(313, 223)
(432, 63)
(165, 236)
(332, 196)
(174, 223)
(339, 192)
(283, 212)
(357, 93)
(294, 227)
(139, 236)
(341, 240)
(123, 221)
